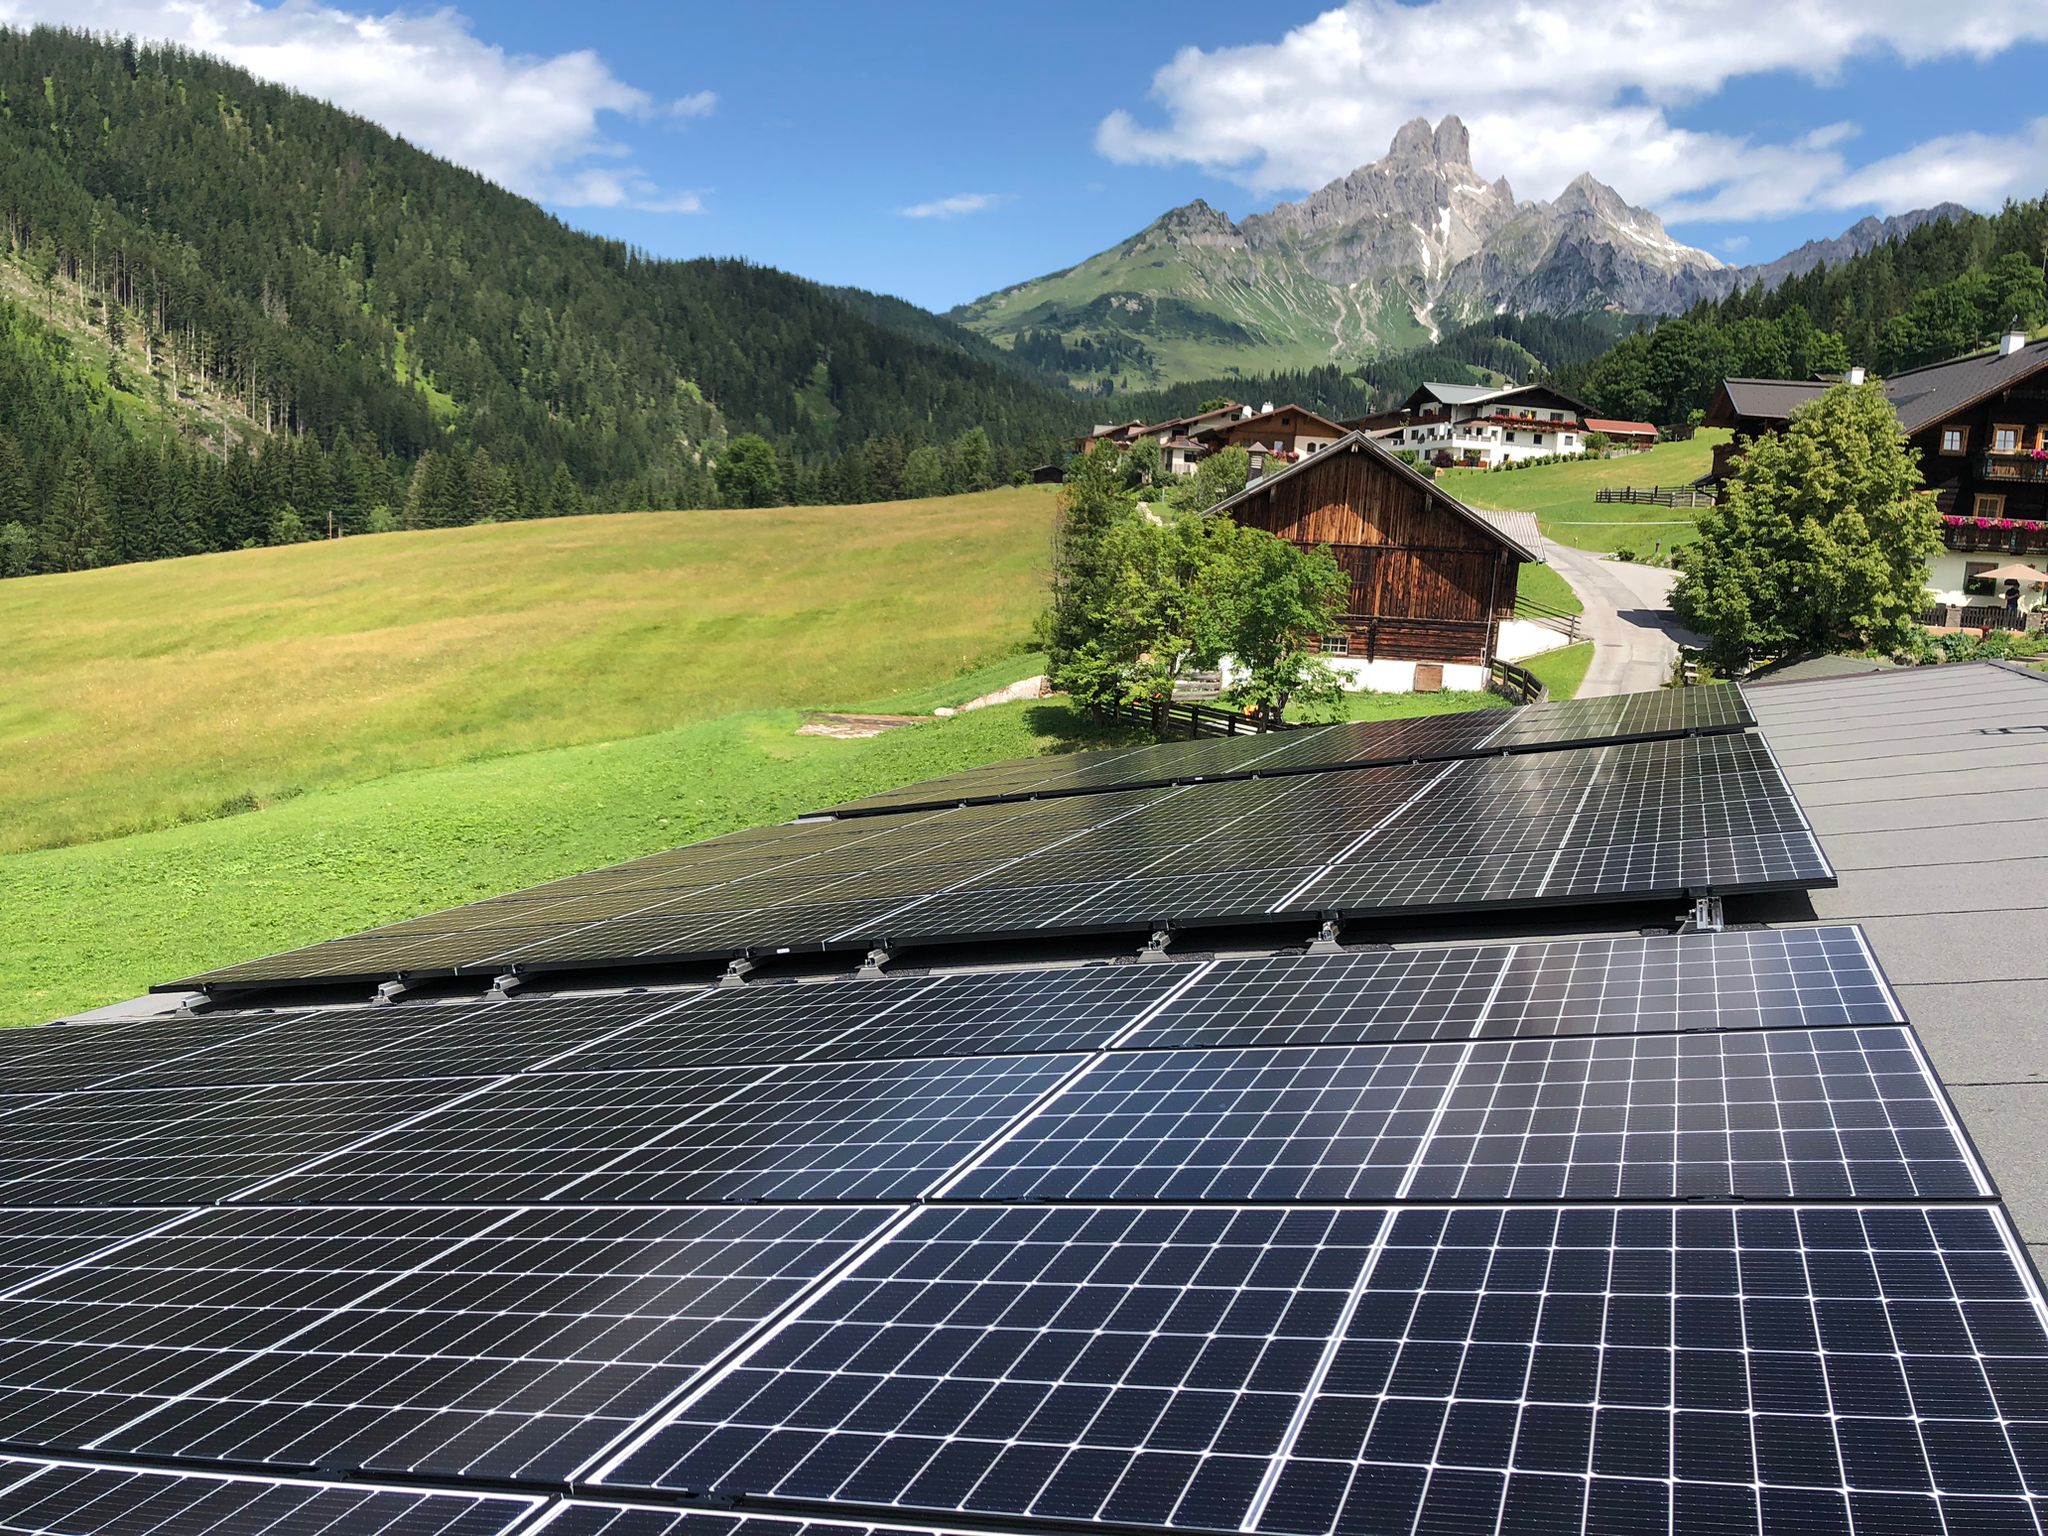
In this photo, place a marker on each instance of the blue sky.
(941, 150)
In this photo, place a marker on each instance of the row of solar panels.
(1298, 1244)
(1669, 819)
(1357, 744)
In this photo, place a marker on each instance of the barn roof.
(1620, 428)
(1517, 530)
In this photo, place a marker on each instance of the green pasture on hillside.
(143, 696)
(1561, 495)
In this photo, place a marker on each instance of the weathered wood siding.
(1426, 583)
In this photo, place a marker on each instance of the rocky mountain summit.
(1381, 259)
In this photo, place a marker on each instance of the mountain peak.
(1453, 143)
(1416, 143)
(1415, 140)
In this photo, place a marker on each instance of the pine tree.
(74, 537)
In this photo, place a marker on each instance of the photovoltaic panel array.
(1671, 818)
(1355, 744)
(1664, 1233)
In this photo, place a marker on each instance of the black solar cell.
(1816, 1369)
(182, 1146)
(42, 1498)
(1125, 1365)
(1757, 1114)
(1797, 977)
(811, 1131)
(462, 1343)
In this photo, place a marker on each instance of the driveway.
(1635, 639)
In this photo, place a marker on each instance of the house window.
(1974, 584)
(1511, 437)
(1340, 645)
(1955, 439)
(1988, 506)
(2005, 439)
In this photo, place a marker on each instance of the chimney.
(1257, 466)
(2014, 338)
(1856, 374)
(1266, 409)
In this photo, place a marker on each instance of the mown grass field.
(140, 697)
(1561, 495)
(98, 922)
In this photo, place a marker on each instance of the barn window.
(1336, 645)
(1954, 439)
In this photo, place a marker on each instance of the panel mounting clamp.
(1705, 916)
(1325, 941)
(736, 970)
(389, 992)
(504, 986)
(1154, 948)
(871, 967)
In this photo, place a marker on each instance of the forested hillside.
(240, 315)
(1946, 289)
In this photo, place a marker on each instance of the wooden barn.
(1432, 579)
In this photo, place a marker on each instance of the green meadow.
(1561, 495)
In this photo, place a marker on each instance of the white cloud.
(528, 123)
(1550, 89)
(957, 206)
(1977, 169)
(696, 104)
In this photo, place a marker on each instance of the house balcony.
(2023, 467)
(1998, 535)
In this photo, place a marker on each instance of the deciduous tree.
(1820, 541)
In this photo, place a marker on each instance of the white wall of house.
(1948, 570)
(1385, 676)
(1489, 444)
(1518, 638)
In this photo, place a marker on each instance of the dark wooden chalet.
(1980, 423)
(1431, 578)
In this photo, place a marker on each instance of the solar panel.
(185, 1146)
(1873, 1368)
(1597, 1368)
(1126, 1365)
(1568, 722)
(585, 1517)
(1804, 978)
(463, 1343)
(1758, 1114)
(812, 1131)
(1669, 818)
(962, 1014)
(61, 1498)
(412, 1040)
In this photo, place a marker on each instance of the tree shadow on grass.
(1072, 729)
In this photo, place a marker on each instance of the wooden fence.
(1656, 495)
(1517, 684)
(1548, 615)
(1187, 718)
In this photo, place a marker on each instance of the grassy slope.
(1544, 585)
(143, 696)
(91, 924)
(1563, 670)
(1561, 495)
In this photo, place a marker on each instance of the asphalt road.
(1635, 639)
